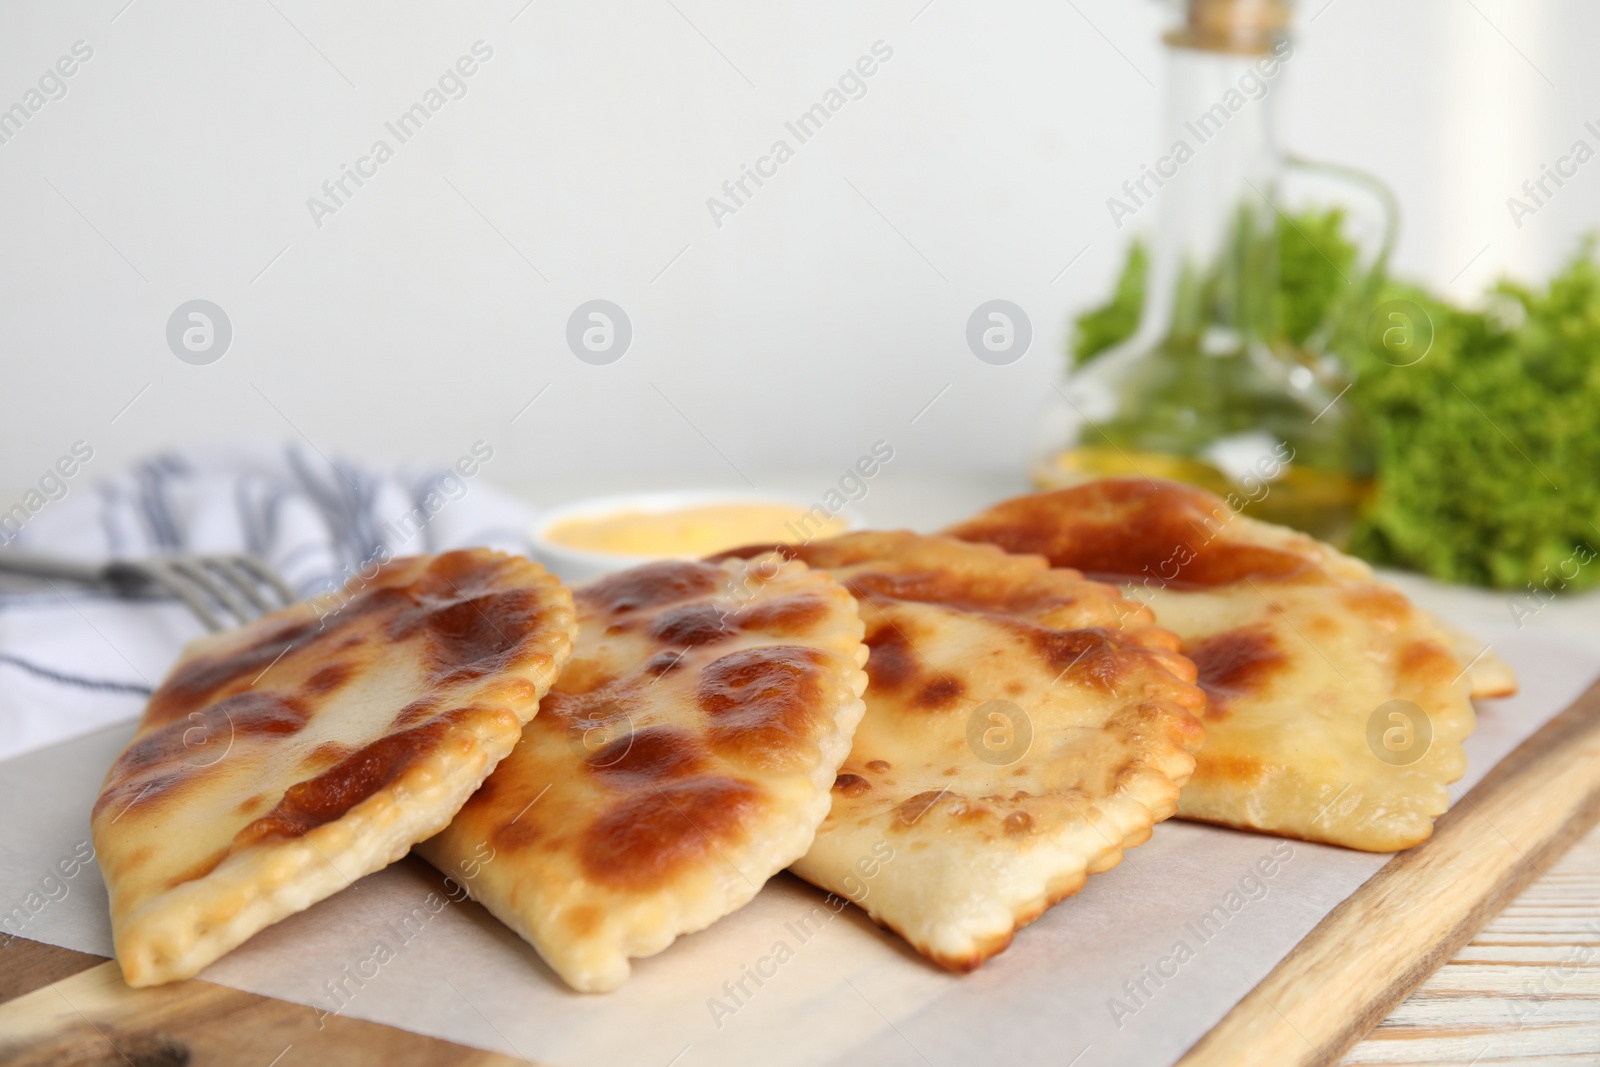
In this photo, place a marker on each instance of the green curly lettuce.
(1488, 446)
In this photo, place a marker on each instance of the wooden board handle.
(1372, 950)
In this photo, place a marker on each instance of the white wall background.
(826, 314)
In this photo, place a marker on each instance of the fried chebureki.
(1336, 708)
(1023, 728)
(683, 758)
(279, 762)
(1489, 675)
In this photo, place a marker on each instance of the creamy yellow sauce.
(689, 533)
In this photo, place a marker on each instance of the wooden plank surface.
(1425, 905)
(28, 965)
(1526, 990)
(67, 1009)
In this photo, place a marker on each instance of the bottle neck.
(1213, 269)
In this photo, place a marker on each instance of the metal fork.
(238, 587)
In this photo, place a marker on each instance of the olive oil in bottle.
(1209, 390)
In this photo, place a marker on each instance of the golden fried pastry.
(1489, 675)
(1336, 708)
(1024, 727)
(279, 762)
(684, 757)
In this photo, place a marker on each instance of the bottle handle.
(1374, 238)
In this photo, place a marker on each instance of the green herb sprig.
(1488, 446)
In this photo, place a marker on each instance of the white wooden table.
(1525, 990)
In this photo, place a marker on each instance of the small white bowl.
(576, 565)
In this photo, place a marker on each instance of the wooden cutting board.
(70, 1009)
(64, 1007)
(1408, 919)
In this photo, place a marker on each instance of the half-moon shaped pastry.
(1024, 728)
(280, 762)
(1336, 707)
(684, 757)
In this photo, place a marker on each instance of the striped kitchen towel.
(74, 660)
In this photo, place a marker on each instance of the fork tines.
(213, 587)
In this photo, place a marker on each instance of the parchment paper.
(1100, 979)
